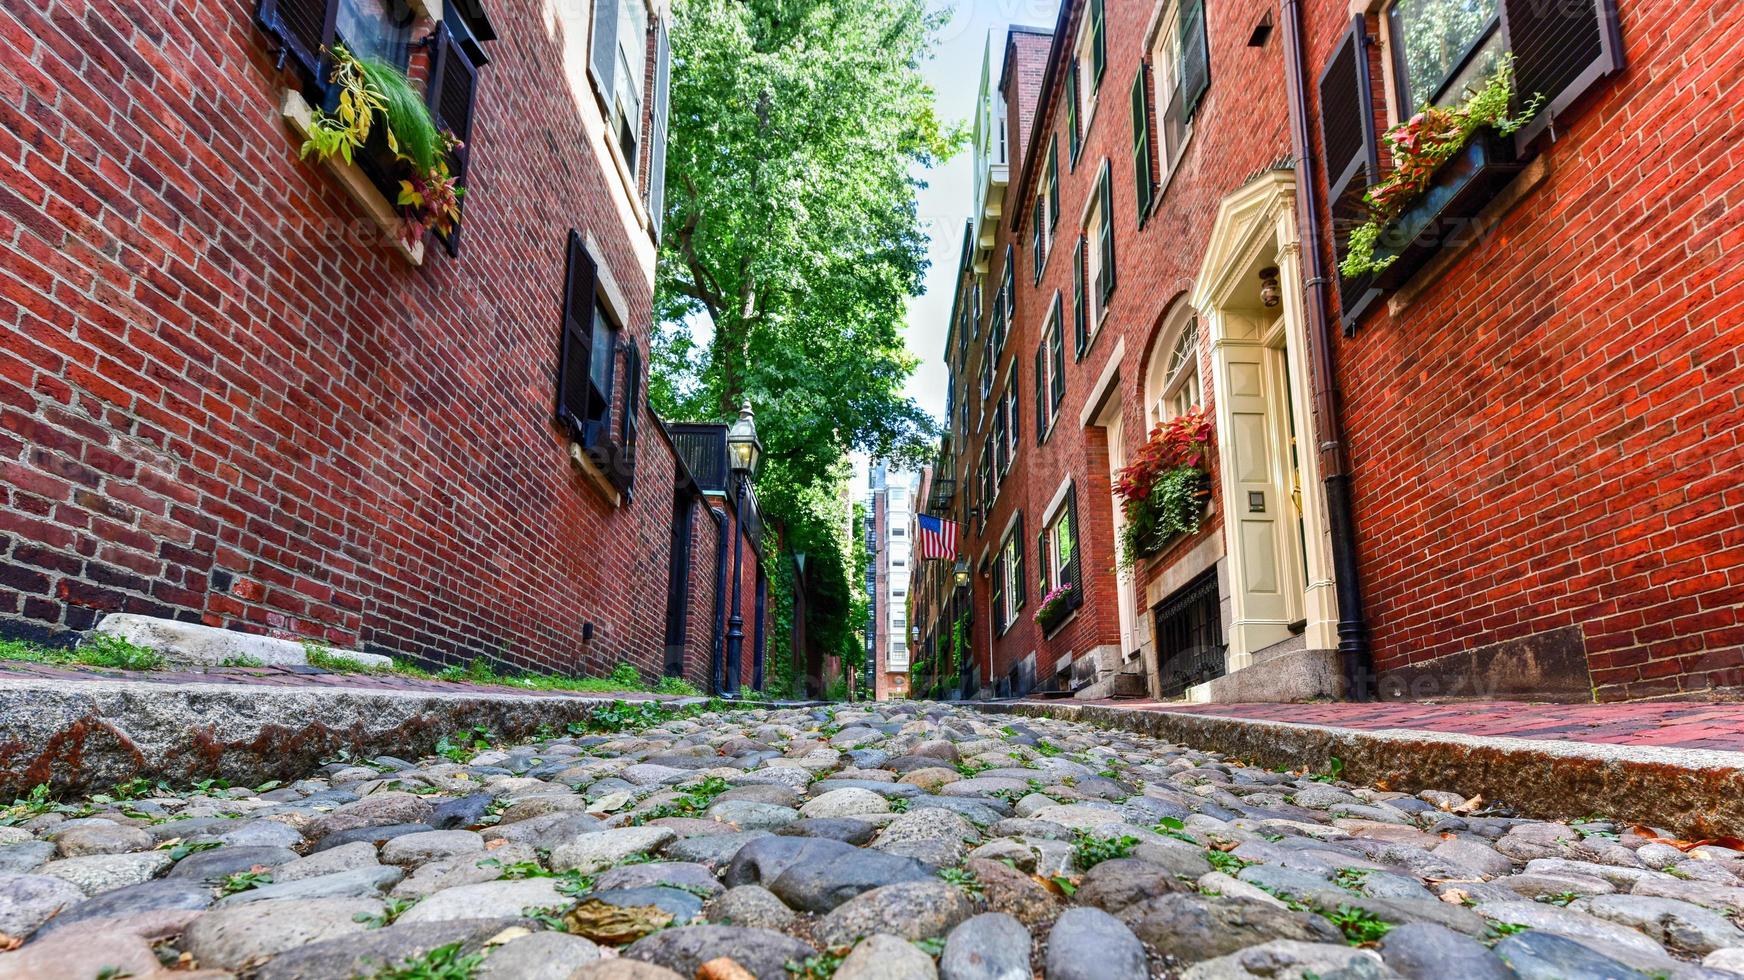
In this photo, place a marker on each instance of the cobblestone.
(887, 835)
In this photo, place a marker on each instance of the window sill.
(301, 119)
(593, 475)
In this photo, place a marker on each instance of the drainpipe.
(1356, 660)
(717, 626)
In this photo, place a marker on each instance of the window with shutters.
(986, 374)
(1098, 267)
(1001, 443)
(1169, 93)
(1050, 381)
(1172, 379)
(599, 373)
(1058, 563)
(1010, 585)
(1438, 52)
(1013, 414)
(1090, 62)
(1053, 184)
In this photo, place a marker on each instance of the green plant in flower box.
(373, 93)
(1419, 147)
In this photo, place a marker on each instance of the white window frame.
(1091, 228)
(1089, 92)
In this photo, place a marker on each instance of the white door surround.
(1280, 561)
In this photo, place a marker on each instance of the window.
(375, 29)
(1179, 77)
(1053, 186)
(617, 62)
(1012, 414)
(1038, 245)
(1442, 46)
(898, 532)
(986, 375)
(1059, 544)
(1009, 582)
(1001, 442)
(1097, 256)
(591, 356)
(1172, 382)
(1090, 60)
(1050, 372)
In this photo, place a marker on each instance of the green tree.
(792, 245)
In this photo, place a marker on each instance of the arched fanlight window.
(1172, 386)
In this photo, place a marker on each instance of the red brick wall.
(1551, 435)
(1241, 128)
(225, 400)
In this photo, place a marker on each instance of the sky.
(955, 74)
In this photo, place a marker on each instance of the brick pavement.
(1667, 724)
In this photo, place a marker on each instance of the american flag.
(938, 537)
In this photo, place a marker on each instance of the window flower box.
(1444, 214)
(1152, 528)
(1056, 606)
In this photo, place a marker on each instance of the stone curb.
(88, 735)
(1695, 792)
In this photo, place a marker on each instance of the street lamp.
(743, 452)
(962, 572)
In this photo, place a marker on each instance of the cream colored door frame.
(1256, 365)
(1113, 419)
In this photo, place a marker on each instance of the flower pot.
(1053, 614)
(1443, 214)
(1154, 541)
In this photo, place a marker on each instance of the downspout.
(716, 677)
(1356, 660)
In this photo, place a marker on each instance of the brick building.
(236, 390)
(1506, 465)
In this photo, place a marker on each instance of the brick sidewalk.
(1667, 724)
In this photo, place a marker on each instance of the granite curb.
(1696, 792)
(88, 735)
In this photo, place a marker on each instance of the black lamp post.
(743, 452)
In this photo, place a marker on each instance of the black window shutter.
(1072, 113)
(1561, 50)
(661, 111)
(1019, 581)
(1073, 566)
(575, 341)
(1195, 57)
(1053, 182)
(1143, 171)
(603, 59)
(1098, 43)
(302, 29)
(1080, 326)
(1041, 416)
(1058, 353)
(1106, 190)
(453, 96)
(624, 473)
(1044, 577)
(1347, 136)
(1035, 243)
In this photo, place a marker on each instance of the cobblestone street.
(906, 841)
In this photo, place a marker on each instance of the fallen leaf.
(723, 968)
(1646, 833)
(512, 932)
(1469, 806)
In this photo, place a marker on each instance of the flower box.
(1056, 607)
(1443, 214)
(1151, 541)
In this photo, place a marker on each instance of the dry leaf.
(1469, 806)
(723, 968)
(512, 932)
(1645, 832)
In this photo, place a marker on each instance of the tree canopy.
(792, 242)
